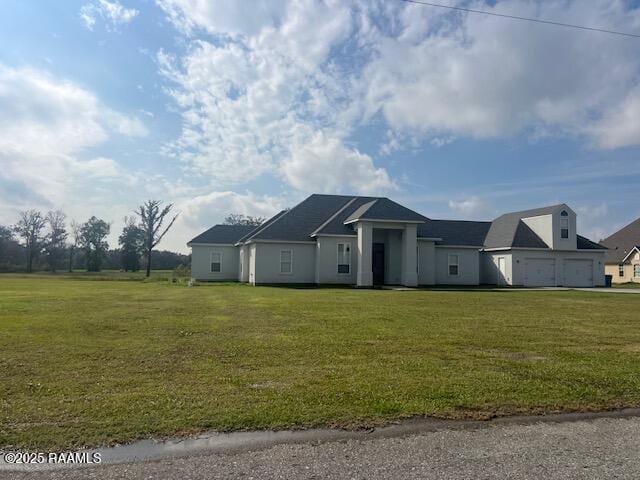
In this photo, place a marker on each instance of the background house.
(623, 254)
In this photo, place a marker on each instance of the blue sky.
(248, 107)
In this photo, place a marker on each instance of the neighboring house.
(365, 241)
(623, 255)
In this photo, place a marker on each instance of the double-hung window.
(216, 262)
(564, 224)
(344, 258)
(636, 270)
(621, 270)
(286, 261)
(454, 265)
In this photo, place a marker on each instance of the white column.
(365, 239)
(409, 255)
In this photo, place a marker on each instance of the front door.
(377, 263)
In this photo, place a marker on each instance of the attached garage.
(539, 272)
(578, 272)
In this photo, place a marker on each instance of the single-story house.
(622, 260)
(365, 241)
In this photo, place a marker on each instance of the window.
(621, 270)
(453, 265)
(636, 270)
(344, 258)
(564, 213)
(286, 261)
(216, 262)
(564, 225)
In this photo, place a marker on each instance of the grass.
(89, 363)
(626, 285)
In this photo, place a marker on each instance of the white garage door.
(578, 273)
(539, 272)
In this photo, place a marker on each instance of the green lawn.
(89, 363)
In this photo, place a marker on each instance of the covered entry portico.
(388, 249)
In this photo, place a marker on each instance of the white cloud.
(248, 104)
(112, 12)
(485, 77)
(324, 164)
(469, 207)
(46, 124)
(223, 17)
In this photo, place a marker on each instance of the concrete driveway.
(585, 449)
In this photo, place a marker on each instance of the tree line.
(45, 241)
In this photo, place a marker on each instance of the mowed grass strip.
(92, 363)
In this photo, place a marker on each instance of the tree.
(151, 220)
(240, 219)
(130, 242)
(29, 228)
(76, 236)
(93, 236)
(54, 243)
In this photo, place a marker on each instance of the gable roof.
(223, 234)
(384, 209)
(509, 230)
(301, 221)
(622, 242)
(262, 225)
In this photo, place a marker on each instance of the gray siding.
(468, 267)
(201, 262)
(267, 263)
(327, 261)
(426, 263)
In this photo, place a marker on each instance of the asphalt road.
(605, 448)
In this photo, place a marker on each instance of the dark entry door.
(377, 263)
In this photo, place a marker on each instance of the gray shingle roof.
(335, 225)
(385, 209)
(622, 242)
(302, 220)
(225, 234)
(507, 230)
(261, 226)
(455, 232)
(586, 244)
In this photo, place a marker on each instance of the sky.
(248, 107)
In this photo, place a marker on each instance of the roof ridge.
(259, 228)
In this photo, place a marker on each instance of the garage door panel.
(539, 272)
(578, 272)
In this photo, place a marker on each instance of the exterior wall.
(629, 269)
(244, 267)
(468, 266)
(252, 264)
(548, 227)
(489, 268)
(327, 261)
(426, 262)
(201, 262)
(267, 263)
(519, 256)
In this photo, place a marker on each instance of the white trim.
(634, 249)
(468, 247)
(280, 241)
(449, 265)
(581, 250)
(345, 244)
(382, 220)
(191, 244)
(290, 261)
(211, 262)
(334, 235)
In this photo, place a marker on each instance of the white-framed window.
(564, 224)
(636, 270)
(216, 262)
(621, 270)
(344, 258)
(286, 261)
(454, 264)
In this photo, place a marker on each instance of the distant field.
(89, 363)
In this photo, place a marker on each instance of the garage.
(539, 272)
(578, 272)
